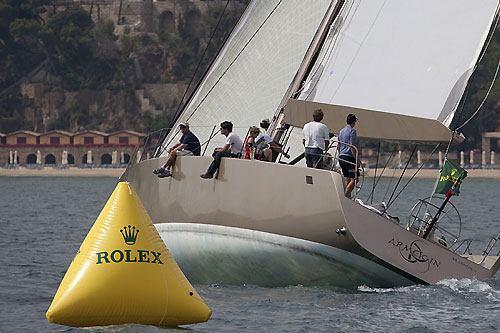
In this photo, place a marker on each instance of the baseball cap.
(265, 123)
(184, 123)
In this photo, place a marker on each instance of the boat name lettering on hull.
(414, 254)
(118, 256)
(464, 264)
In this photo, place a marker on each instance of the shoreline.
(70, 172)
(117, 172)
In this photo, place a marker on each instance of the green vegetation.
(87, 58)
(80, 56)
(487, 119)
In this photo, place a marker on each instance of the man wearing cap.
(264, 126)
(348, 156)
(266, 147)
(188, 145)
(316, 139)
(232, 148)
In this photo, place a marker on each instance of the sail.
(251, 74)
(408, 59)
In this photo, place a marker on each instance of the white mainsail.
(407, 59)
(255, 67)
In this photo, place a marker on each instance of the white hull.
(209, 254)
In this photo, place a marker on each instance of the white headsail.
(255, 67)
(411, 60)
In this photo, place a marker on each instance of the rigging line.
(449, 145)
(484, 100)
(413, 176)
(400, 177)
(485, 47)
(490, 37)
(380, 176)
(176, 114)
(235, 58)
(326, 55)
(460, 112)
(389, 185)
(358, 50)
(375, 175)
(212, 135)
(199, 62)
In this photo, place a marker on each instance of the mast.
(277, 125)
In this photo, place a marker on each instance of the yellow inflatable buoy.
(123, 273)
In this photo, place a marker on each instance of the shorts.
(184, 152)
(348, 165)
(314, 157)
(274, 154)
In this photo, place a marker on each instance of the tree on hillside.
(486, 120)
(20, 21)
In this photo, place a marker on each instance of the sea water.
(43, 221)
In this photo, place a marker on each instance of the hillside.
(79, 67)
(66, 68)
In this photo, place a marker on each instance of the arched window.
(31, 159)
(71, 159)
(193, 21)
(50, 159)
(167, 22)
(106, 159)
(126, 158)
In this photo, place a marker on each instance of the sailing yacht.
(400, 66)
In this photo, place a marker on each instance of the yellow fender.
(123, 273)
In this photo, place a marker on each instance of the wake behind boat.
(275, 224)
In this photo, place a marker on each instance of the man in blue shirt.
(188, 145)
(348, 154)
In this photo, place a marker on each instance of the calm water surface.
(43, 221)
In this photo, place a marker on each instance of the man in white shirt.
(232, 148)
(315, 138)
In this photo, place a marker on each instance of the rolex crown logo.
(130, 235)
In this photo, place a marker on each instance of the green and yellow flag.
(450, 173)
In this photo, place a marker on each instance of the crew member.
(232, 148)
(188, 145)
(348, 156)
(315, 138)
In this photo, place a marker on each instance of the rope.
(400, 177)
(234, 60)
(227, 69)
(485, 47)
(212, 135)
(484, 99)
(375, 175)
(490, 37)
(380, 176)
(326, 55)
(413, 176)
(199, 63)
